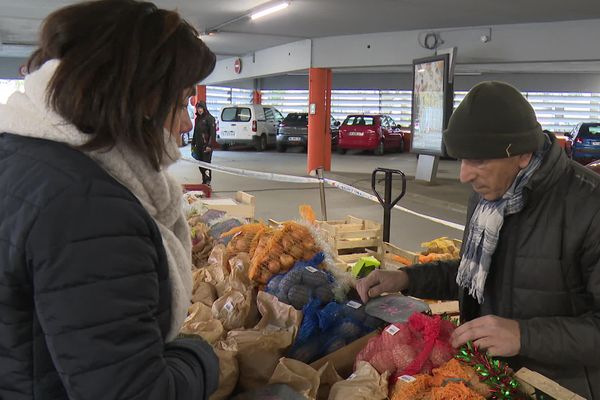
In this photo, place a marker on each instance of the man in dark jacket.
(529, 276)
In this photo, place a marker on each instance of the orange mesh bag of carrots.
(280, 250)
(454, 391)
(411, 387)
(455, 369)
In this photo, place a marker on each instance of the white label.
(407, 378)
(311, 269)
(351, 377)
(228, 306)
(353, 304)
(392, 330)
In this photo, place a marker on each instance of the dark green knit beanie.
(493, 121)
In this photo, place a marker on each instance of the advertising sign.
(430, 104)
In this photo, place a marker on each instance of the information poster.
(429, 105)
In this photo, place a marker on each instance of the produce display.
(438, 250)
(262, 293)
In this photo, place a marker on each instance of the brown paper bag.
(329, 377)
(201, 322)
(233, 309)
(364, 384)
(277, 314)
(260, 349)
(301, 377)
(204, 293)
(228, 370)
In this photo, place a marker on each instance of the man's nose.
(467, 173)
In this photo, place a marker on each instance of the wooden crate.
(535, 385)
(352, 235)
(243, 205)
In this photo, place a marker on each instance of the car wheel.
(224, 147)
(262, 143)
(281, 148)
(341, 151)
(380, 149)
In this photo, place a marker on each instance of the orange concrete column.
(200, 93)
(256, 97)
(319, 108)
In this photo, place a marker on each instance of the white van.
(253, 124)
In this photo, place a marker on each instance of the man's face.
(491, 178)
(200, 110)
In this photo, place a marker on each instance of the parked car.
(370, 132)
(594, 166)
(250, 124)
(585, 142)
(293, 131)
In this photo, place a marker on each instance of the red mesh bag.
(410, 348)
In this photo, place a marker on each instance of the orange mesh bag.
(278, 251)
(454, 391)
(455, 369)
(411, 387)
(244, 235)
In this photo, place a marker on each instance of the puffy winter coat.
(545, 273)
(84, 286)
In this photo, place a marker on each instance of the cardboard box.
(343, 359)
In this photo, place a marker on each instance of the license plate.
(355, 133)
(595, 143)
(294, 139)
(227, 134)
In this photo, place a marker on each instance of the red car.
(370, 132)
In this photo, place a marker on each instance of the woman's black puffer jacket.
(84, 286)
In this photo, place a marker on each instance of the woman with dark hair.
(204, 136)
(95, 252)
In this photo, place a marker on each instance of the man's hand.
(378, 282)
(498, 336)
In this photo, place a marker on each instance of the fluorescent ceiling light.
(270, 10)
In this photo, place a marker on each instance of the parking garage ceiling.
(20, 21)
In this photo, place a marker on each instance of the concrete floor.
(446, 199)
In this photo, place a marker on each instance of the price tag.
(392, 329)
(354, 304)
(228, 306)
(351, 377)
(407, 378)
(311, 269)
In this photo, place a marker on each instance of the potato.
(287, 261)
(308, 254)
(296, 251)
(274, 266)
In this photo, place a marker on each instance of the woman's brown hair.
(125, 67)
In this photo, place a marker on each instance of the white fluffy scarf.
(27, 114)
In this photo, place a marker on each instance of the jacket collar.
(553, 166)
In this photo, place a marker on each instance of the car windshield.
(296, 119)
(359, 120)
(590, 131)
(235, 114)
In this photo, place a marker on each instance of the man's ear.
(524, 160)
